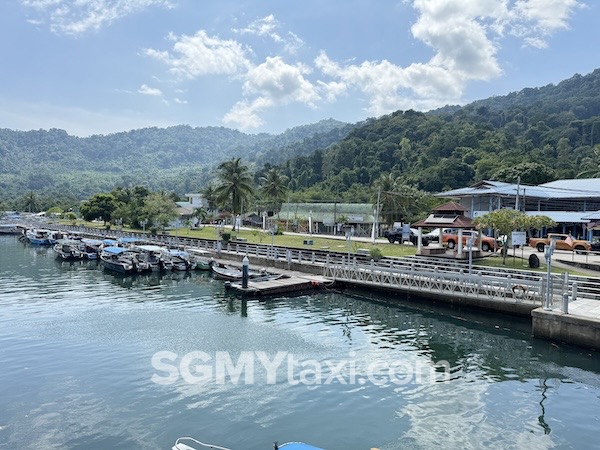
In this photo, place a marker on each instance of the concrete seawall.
(570, 328)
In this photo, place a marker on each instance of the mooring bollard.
(565, 303)
(245, 265)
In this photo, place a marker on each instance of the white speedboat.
(188, 443)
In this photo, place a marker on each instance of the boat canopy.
(132, 240)
(92, 241)
(181, 253)
(115, 250)
(150, 248)
(110, 242)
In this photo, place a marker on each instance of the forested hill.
(538, 134)
(179, 158)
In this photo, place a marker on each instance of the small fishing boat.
(11, 228)
(91, 248)
(188, 443)
(230, 273)
(39, 236)
(156, 256)
(123, 260)
(181, 260)
(68, 250)
(202, 258)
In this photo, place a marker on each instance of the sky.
(105, 66)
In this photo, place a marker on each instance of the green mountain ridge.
(538, 134)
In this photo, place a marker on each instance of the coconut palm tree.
(274, 188)
(398, 202)
(31, 202)
(592, 164)
(234, 186)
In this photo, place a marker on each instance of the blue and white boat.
(188, 443)
(39, 236)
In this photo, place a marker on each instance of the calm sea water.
(77, 347)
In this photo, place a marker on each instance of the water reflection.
(76, 344)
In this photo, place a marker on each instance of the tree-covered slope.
(177, 158)
(537, 134)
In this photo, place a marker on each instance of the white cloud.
(267, 27)
(464, 38)
(74, 17)
(147, 90)
(270, 84)
(200, 54)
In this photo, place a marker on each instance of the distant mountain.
(179, 158)
(537, 134)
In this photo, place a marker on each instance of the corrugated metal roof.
(559, 189)
(561, 216)
(574, 188)
(591, 216)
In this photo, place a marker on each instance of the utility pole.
(376, 223)
(517, 198)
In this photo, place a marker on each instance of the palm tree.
(211, 197)
(31, 202)
(398, 201)
(593, 164)
(234, 185)
(274, 187)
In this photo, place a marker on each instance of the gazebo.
(448, 215)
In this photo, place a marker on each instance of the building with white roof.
(574, 204)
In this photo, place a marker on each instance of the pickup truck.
(488, 244)
(563, 242)
(395, 235)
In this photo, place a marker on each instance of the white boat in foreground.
(188, 443)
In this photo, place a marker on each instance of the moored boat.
(155, 256)
(181, 260)
(202, 258)
(12, 228)
(91, 248)
(68, 250)
(230, 273)
(123, 260)
(39, 236)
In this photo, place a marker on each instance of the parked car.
(395, 235)
(488, 244)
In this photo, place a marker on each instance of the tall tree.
(274, 188)
(160, 209)
(234, 186)
(99, 206)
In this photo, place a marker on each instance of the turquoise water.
(77, 347)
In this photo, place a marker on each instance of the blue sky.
(104, 66)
